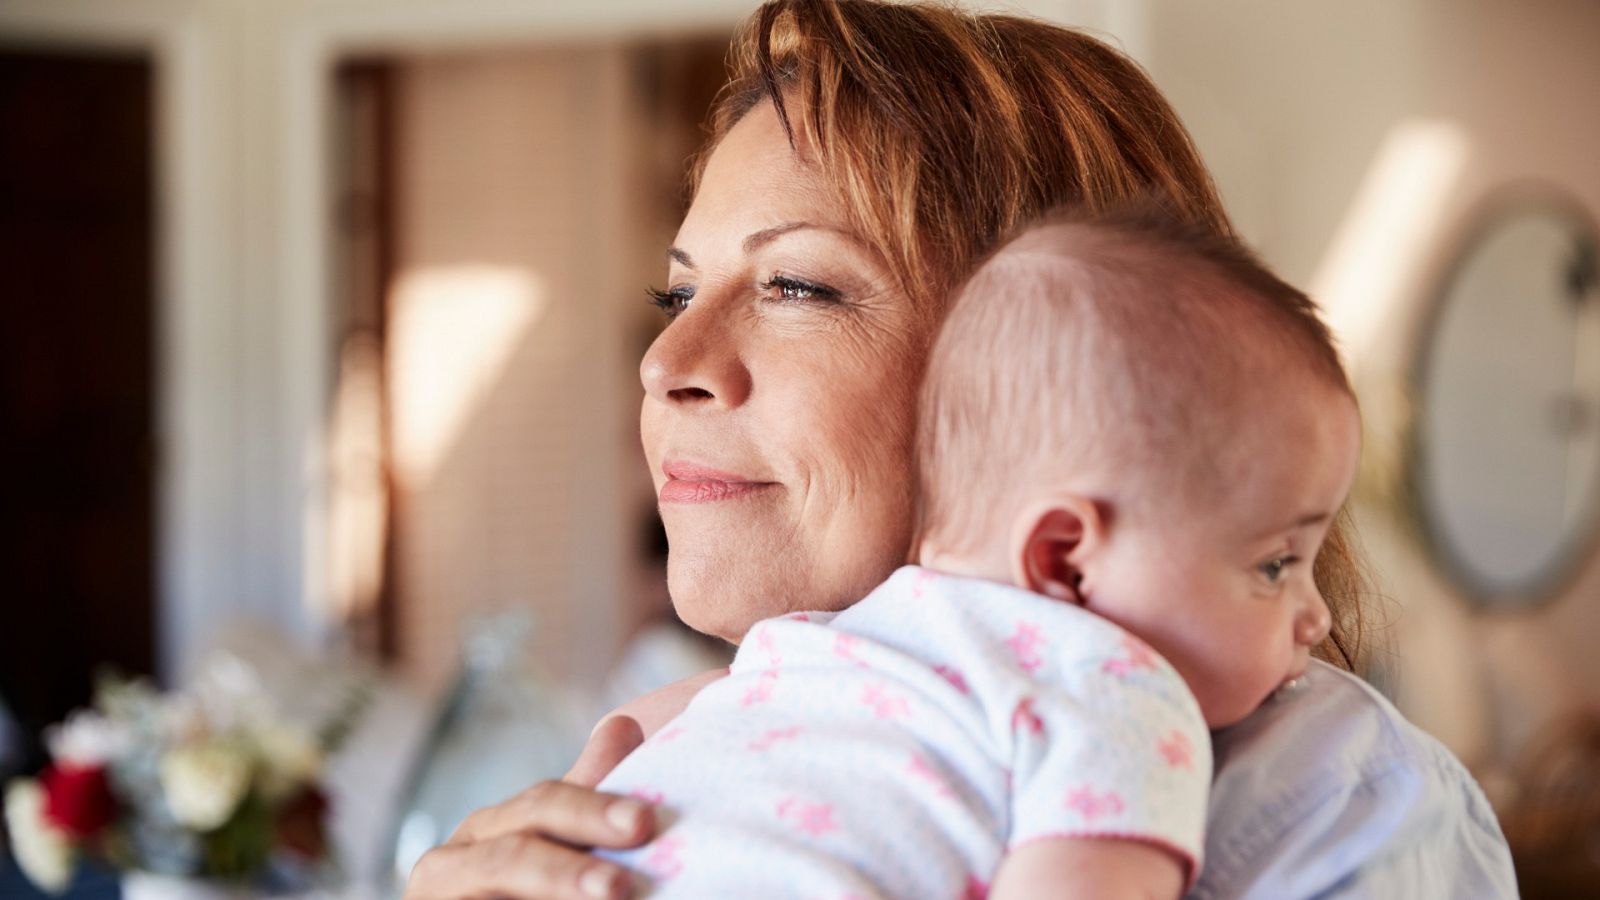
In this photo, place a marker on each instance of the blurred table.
(91, 884)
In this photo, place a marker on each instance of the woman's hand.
(533, 846)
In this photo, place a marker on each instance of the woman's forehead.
(755, 182)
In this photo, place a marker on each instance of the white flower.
(43, 851)
(290, 758)
(87, 739)
(204, 782)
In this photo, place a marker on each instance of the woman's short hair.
(942, 131)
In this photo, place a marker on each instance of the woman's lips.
(693, 483)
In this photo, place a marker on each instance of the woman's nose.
(696, 362)
(1313, 621)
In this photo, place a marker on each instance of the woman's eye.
(794, 290)
(671, 302)
(1275, 569)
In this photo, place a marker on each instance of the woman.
(862, 156)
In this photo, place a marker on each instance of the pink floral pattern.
(883, 704)
(922, 771)
(1091, 806)
(761, 691)
(815, 819)
(1177, 750)
(844, 647)
(769, 646)
(1137, 656)
(665, 859)
(1023, 718)
(1025, 643)
(954, 676)
(773, 737)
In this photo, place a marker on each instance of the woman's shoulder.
(1331, 726)
(1329, 790)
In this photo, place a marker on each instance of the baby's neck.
(968, 565)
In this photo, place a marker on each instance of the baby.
(1133, 442)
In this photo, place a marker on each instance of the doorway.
(77, 517)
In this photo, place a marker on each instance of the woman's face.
(780, 399)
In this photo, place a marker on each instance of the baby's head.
(1138, 417)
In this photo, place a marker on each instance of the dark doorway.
(76, 377)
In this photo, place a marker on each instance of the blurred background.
(323, 321)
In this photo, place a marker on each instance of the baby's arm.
(1090, 868)
(1111, 764)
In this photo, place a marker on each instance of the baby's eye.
(671, 302)
(1274, 569)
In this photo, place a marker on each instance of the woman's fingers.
(519, 866)
(562, 812)
(611, 740)
(524, 848)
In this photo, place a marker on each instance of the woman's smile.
(690, 482)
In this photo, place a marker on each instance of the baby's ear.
(1051, 543)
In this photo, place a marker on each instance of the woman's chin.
(714, 597)
(707, 621)
(723, 594)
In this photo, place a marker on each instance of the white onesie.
(899, 748)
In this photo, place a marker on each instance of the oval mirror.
(1507, 462)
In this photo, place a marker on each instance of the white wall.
(1288, 103)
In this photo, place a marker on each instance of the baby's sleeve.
(1112, 746)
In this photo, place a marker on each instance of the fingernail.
(599, 882)
(624, 815)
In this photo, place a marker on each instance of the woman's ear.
(1052, 543)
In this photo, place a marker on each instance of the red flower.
(78, 799)
(300, 824)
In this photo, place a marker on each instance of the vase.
(151, 886)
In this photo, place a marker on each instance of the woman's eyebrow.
(757, 239)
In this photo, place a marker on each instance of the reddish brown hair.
(942, 131)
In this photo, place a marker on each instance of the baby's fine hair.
(1091, 341)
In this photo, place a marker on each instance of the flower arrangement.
(210, 784)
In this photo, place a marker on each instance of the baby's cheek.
(1237, 686)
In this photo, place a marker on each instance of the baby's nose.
(1314, 621)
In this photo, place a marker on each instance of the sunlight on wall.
(1381, 245)
(452, 331)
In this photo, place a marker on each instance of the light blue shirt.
(1328, 791)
